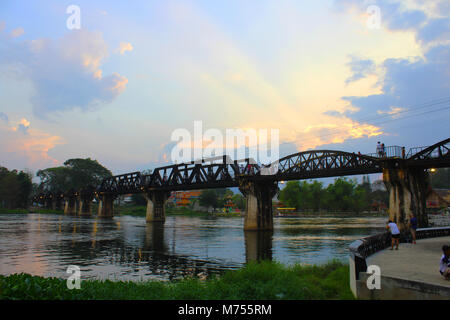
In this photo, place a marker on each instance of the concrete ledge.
(412, 272)
(401, 289)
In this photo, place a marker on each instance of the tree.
(75, 174)
(55, 179)
(346, 195)
(312, 195)
(209, 198)
(290, 195)
(87, 172)
(15, 188)
(25, 189)
(138, 199)
(239, 200)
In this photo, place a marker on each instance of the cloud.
(65, 72)
(123, 47)
(360, 68)
(17, 32)
(436, 30)
(241, 90)
(26, 147)
(395, 16)
(4, 117)
(407, 82)
(393, 111)
(22, 126)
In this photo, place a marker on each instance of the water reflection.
(258, 245)
(129, 248)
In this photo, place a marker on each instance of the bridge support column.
(407, 195)
(258, 214)
(156, 201)
(49, 202)
(57, 203)
(84, 205)
(70, 206)
(106, 206)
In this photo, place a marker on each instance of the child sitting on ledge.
(444, 266)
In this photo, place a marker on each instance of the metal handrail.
(414, 150)
(389, 152)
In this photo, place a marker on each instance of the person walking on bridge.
(395, 234)
(379, 152)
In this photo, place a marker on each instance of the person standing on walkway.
(444, 265)
(395, 234)
(413, 227)
(379, 149)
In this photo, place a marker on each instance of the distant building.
(183, 198)
(378, 185)
(438, 198)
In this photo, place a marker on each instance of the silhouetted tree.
(75, 174)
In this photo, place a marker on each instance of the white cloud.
(26, 147)
(123, 47)
(65, 72)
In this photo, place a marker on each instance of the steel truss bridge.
(222, 172)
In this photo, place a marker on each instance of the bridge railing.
(413, 151)
(389, 152)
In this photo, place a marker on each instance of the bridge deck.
(417, 262)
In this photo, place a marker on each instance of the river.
(127, 248)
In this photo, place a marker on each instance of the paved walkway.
(419, 262)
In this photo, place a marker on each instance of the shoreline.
(140, 211)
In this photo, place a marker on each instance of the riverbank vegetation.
(264, 280)
(141, 211)
(344, 195)
(15, 188)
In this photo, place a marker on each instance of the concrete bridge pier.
(85, 205)
(258, 214)
(106, 206)
(57, 203)
(70, 206)
(407, 189)
(156, 201)
(48, 203)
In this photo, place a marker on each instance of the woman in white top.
(392, 226)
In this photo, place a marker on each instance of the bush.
(265, 280)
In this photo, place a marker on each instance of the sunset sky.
(318, 71)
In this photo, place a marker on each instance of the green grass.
(139, 211)
(264, 280)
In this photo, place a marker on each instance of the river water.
(127, 248)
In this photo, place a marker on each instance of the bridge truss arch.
(323, 163)
(437, 155)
